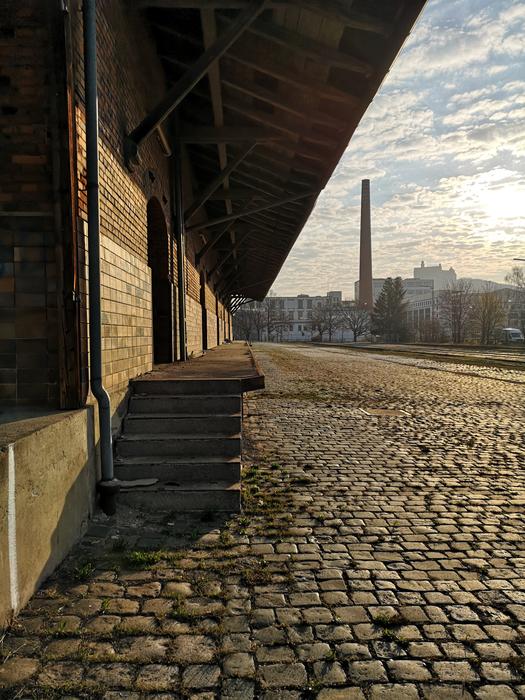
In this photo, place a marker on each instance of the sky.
(443, 144)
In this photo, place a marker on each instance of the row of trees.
(268, 320)
(459, 314)
(331, 316)
(477, 315)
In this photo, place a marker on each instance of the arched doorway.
(161, 287)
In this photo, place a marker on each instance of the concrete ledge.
(47, 492)
(224, 362)
(257, 380)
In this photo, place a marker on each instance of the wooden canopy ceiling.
(270, 119)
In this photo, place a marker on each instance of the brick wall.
(126, 315)
(193, 326)
(28, 275)
(130, 83)
(126, 281)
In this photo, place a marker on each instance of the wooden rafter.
(217, 182)
(249, 212)
(337, 10)
(298, 72)
(237, 193)
(191, 77)
(281, 103)
(244, 54)
(292, 41)
(225, 134)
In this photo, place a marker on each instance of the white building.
(291, 317)
(413, 287)
(440, 277)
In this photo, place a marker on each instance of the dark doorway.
(161, 286)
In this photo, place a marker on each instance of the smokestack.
(366, 294)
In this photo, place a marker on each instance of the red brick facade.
(43, 251)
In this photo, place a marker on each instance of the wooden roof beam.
(235, 193)
(281, 103)
(220, 264)
(190, 78)
(249, 212)
(281, 168)
(225, 134)
(267, 160)
(334, 10)
(299, 79)
(209, 36)
(211, 242)
(281, 220)
(314, 50)
(294, 132)
(250, 179)
(292, 144)
(217, 182)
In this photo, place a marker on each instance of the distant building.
(441, 278)
(377, 286)
(423, 312)
(413, 287)
(290, 318)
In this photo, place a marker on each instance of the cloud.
(443, 144)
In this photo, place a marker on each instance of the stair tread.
(180, 436)
(186, 396)
(188, 486)
(122, 461)
(132, 416)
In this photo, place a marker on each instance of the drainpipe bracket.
(131, 154)
(108, 492)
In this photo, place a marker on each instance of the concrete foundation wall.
(47, 489)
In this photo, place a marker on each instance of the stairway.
(185, 433)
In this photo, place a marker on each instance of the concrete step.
(161, 387)
(180, 469)
(152, 423)
(144, 445)
(185, 404)
(216, 496)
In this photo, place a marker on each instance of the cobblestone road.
(378, 557)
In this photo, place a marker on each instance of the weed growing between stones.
(83, 572)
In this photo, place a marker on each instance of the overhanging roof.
(296, 84)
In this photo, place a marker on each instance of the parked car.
(510, 335)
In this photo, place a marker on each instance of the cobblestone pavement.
(379, 557)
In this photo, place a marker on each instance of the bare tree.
(327, 317)
(430, 331)
(319, 322)
(270, 313)
(357, 320)
(455, 308)
(259, 320)
(488, 312)
(243, 324)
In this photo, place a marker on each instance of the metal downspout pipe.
(181, 247)
(108, 486)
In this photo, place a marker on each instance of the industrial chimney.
(366, 295)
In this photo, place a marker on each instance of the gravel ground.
(379, 555)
